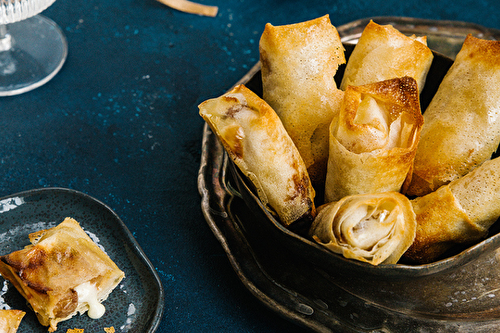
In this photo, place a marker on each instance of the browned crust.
(482, 50)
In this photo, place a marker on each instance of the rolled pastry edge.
(458, 213)
(328, 231)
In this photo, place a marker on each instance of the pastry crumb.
(81, 330)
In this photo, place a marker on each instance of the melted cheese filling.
(87, 293)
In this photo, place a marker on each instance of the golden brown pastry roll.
(373, 228)
(373, 139)
(383, 53)
(460, 212)
(10, 320)
(255, 139)
(299, 62)
(462, 122)
(62, 273)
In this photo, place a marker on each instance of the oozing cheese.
(87, 293)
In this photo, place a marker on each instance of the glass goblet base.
(32, 53)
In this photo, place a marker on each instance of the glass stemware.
(32, 47)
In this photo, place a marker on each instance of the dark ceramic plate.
(326, 292)
(137, 302)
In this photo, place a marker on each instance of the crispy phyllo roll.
(255, 139)
(383, 53)
(462, 122)
(10, 320)
(373, 139)
(62, 273)
(460, 212)
(299, 62)
(373, 228)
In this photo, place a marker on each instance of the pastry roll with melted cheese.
(298, 65)
(460, 212)
(62, 273)
(462, 122)
(259, 145)
(10, 320)
(383, 53)
(373, 228)
(373, 139)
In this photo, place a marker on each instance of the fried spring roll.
(299, 62)
(374, 138)
(462, 122)
(373, 228)
(259, 145)
(460, 212)
(383, 53)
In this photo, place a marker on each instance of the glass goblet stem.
(7, 62)
(5, 38)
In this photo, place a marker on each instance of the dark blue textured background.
(120, 122)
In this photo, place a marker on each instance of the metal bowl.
(326, 292)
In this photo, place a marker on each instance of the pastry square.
(10, 320)
(62, 273)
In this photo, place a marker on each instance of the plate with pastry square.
(135, 305)
(325, 292)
